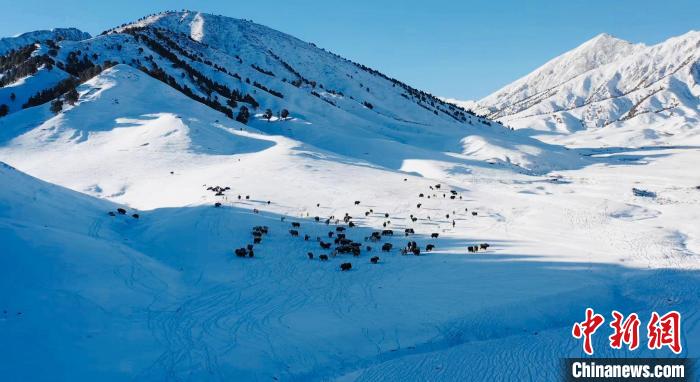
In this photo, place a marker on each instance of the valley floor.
(168, 300)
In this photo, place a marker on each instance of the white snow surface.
(89, 296)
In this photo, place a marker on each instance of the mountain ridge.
(634, 88)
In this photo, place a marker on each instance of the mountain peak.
(57, 34)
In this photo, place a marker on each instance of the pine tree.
(56, 106)
(284, 113)
(4, 110)
(72, 96)
(13, 96)
(243, 115)
(268, 114)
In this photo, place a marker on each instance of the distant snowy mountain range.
(613, 91)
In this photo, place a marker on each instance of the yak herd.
(339, 243)
(338, 240)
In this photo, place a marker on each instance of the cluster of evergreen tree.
(16, 56)
(4, 110)
(48, 94)
(20, 63)
(77, 62)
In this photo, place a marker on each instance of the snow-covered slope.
(610, 92)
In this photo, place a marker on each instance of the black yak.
(434, 235)
(484, 246)
(257, 240)
(387, 232)
(325, 245)
(374, 259)
(217, 204)
(474, 213)
(240, 252)
(296, 224)
(323, 257)
(310, 255)
(357, 202)
(386, 247)
(121, 211)
(429, 247)
(294, 232)
(345, 266)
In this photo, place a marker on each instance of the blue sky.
(461, 49)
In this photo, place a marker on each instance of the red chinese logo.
(665, 331)
(626, 331)
(661, 331)
(587, 328)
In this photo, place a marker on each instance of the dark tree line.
(261, 70)
(263, 87)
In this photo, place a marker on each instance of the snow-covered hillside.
(608, 92)
(156, 291)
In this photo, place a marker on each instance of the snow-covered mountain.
(57, 34)
(610, 90)
(235, 66)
